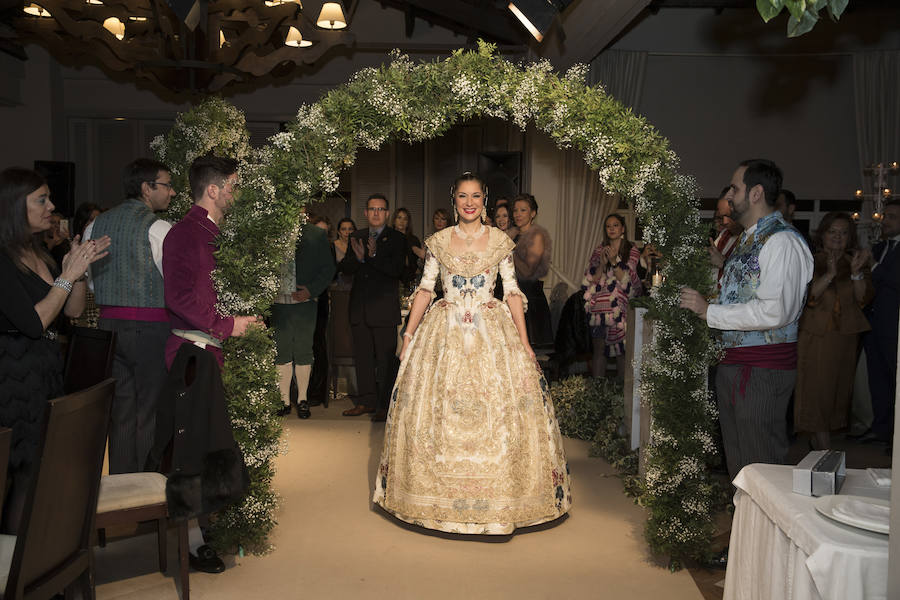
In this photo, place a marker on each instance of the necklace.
(469, 238)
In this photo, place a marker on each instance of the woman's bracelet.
(857, 277)
(63, 284)
(407, 334)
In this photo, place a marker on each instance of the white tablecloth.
(782, 548)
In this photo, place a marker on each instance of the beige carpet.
(331, 543)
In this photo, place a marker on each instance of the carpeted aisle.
(331, 543)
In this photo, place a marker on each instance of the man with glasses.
(128, 286)
(377, 263)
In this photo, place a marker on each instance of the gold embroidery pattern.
(472, 444)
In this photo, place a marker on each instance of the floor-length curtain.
(876, 78)
(584, 203)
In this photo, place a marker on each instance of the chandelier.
(179, 48)
(874, 201)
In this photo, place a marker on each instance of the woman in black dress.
(402, 222)
(34, 295)
(532, 258)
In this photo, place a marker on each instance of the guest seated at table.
(34, 295)
(829, 330)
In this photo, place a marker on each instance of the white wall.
(728, 87)
(28, 128)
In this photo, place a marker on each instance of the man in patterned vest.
(128, 285)
(763, 293)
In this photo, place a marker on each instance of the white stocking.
(195, 536)
(284, 382)
(302, 373)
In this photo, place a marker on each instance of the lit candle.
(859, 193)
(876, 216)
(887, 192)
(855, 216)
(656, 279)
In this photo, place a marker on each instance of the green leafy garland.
(250, 379)
(419, 101)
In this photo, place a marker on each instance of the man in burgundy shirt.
(188, 262)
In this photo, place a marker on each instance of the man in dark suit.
(377, 263)
(881, 342)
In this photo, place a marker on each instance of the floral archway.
(419, 101)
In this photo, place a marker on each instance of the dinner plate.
(838, 507)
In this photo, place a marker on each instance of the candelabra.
(872, 203)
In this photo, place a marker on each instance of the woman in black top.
(30, 361)
(402, 222)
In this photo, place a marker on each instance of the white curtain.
(876, 78)
(584, 203)
(622, 75)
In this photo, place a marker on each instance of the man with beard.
(762, 295)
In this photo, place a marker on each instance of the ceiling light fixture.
(37, 10)
(115, 27)
(295, 38)
(332, 16)
(538, 15)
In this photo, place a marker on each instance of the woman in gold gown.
(472, 444)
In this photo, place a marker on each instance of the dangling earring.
(483, 221)
(455, 215)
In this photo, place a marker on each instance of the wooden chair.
(340, 339)
(5, 441)
(89, 358)
(129, 498)
(52, 552)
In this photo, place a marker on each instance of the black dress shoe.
(718, 561)
(284, 410)
(206, 560)
(303, 410)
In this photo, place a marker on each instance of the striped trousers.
(754, 422)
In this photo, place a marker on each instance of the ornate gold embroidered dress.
(472, 444)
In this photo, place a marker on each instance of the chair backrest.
(53, 543)
(5, 440)
(340, 338)
(89, 359)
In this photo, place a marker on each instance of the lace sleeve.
(430, 273)
(508, 277)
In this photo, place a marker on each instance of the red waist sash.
(134, 313)
(782, 357)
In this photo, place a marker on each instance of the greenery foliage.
(419, 101)
(592, 409)
(250, 379)
(804, 14)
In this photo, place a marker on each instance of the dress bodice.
(469, 278)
